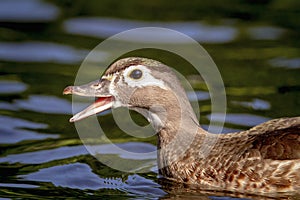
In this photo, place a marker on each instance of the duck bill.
(103, 100)
(101, 104)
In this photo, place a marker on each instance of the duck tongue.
(101, 104)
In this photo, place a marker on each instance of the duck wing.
(277, 139)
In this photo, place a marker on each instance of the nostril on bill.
(68, 90)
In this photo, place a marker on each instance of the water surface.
(41, 155)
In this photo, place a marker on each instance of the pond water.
(42, 44)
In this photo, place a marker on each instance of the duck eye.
(136, 74)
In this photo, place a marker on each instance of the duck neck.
(178, 132)
(176, 125)
(171, 115)
(175, 139)
(176, 122)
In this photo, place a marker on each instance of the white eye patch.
(146, 79)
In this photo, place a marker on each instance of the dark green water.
(255, 45)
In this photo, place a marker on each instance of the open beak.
(98, 89)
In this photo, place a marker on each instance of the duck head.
(141, 84)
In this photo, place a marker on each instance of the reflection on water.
(19, 185)
(70, 176)
(41, 155)
(198, 96)
(291, 63)
(106, 27)
(266, 33)
(27, 11)
(256, 104)
(45, 104)
(40, 52)
(124, 151)
(10, 87)
(44, 156)
(13, 130)
(239, 119)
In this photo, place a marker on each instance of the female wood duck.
(263, 159)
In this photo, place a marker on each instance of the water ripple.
(256, 104)
(239, 119)
(12, 87)
(80, 176)
(290, 63)
(40, 52)
(45, 104)
(12, 130)
(106, 27)
(266, 32)
(27, 11)
(45, 156)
